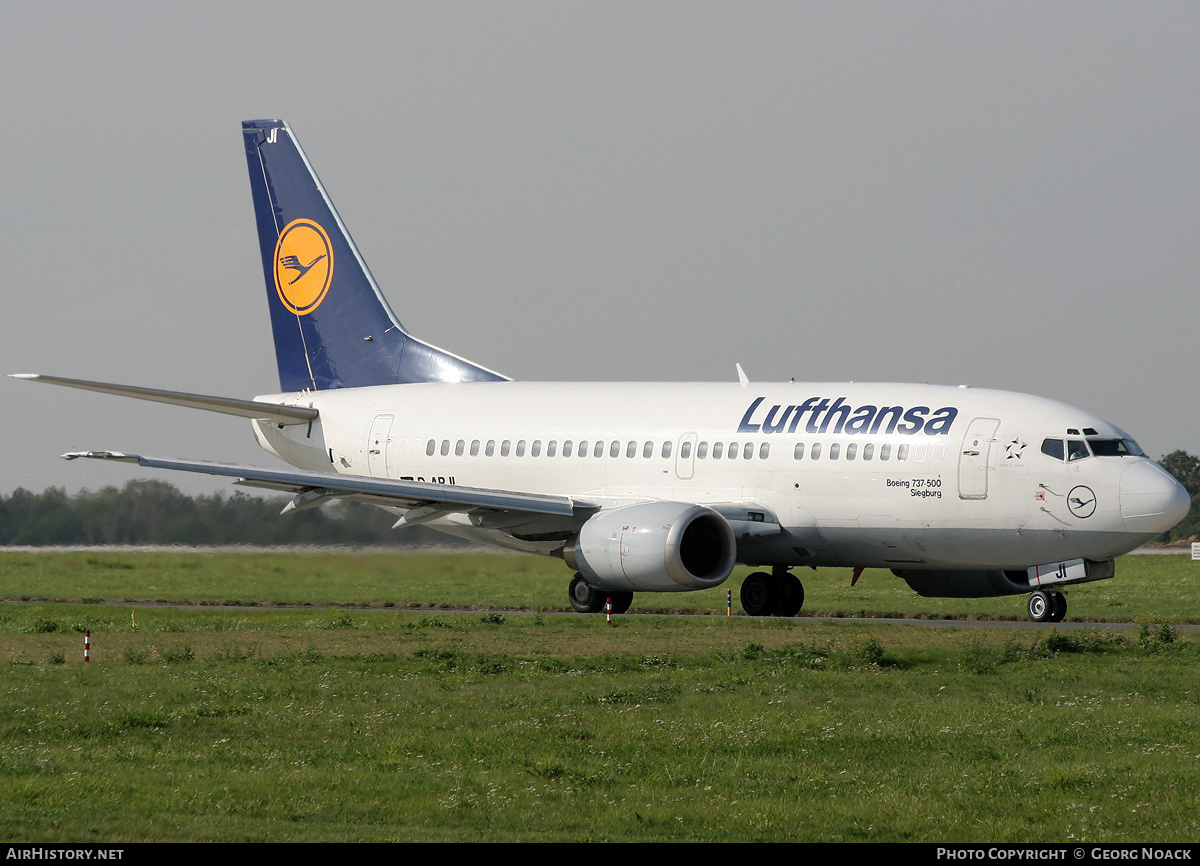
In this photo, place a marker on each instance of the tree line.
(149, 512)
(156, 512)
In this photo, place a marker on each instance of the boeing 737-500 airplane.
(661, 487)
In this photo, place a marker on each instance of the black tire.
(583, 598)
(620, 601)
(1059, 603)
(759, 594)
(791, 595)
(1041, 607)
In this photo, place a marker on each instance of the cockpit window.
(1077, 450)
(1115, 448)
(1053, 448)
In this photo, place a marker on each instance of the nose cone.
(1151, 500)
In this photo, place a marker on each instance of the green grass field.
(1146, 587)
(326, 723)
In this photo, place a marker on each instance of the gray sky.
(1005, 195)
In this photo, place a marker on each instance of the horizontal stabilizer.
(277, 412)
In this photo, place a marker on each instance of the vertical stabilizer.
(332, 326)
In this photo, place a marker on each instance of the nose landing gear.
(1047, 606)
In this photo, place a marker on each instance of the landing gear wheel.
(791, 595)
(620, 601)
(1041, 607)
(759, 594)
(584, 599)
(1059, 604)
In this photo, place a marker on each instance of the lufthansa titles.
(823, 415)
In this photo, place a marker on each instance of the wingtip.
(101, 455)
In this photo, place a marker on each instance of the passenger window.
(431, 447)
(732, 451)
(885, 451)
(551, 448)
(583, 448)
(902, 452)
(535, 450)
(490, 449)
(567, 448)
(764, 450)
(631, 449)
(1053, 448)
(598, 451)
(718, 450)
(702, 450)
(868, 451)
(666, 452)
(504, 447)
(685, 450)
(748, 451)
(798, 454)
(851, 450)
(815, 453)
(520, 447)
(445, 447)
(834, 450)
(648, 450)
(474, 447)
(614, 450)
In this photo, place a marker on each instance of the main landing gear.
(585, 599)
(775, 594)
(1047, 606)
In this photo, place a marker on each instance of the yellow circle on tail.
(303, 266)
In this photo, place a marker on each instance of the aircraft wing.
(425, 500)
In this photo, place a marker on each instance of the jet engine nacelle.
(654, 547)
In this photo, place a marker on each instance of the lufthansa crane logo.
(303, 266)
(1082, 501)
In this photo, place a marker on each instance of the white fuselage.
(873, 475)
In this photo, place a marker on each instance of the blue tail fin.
(332, 326)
